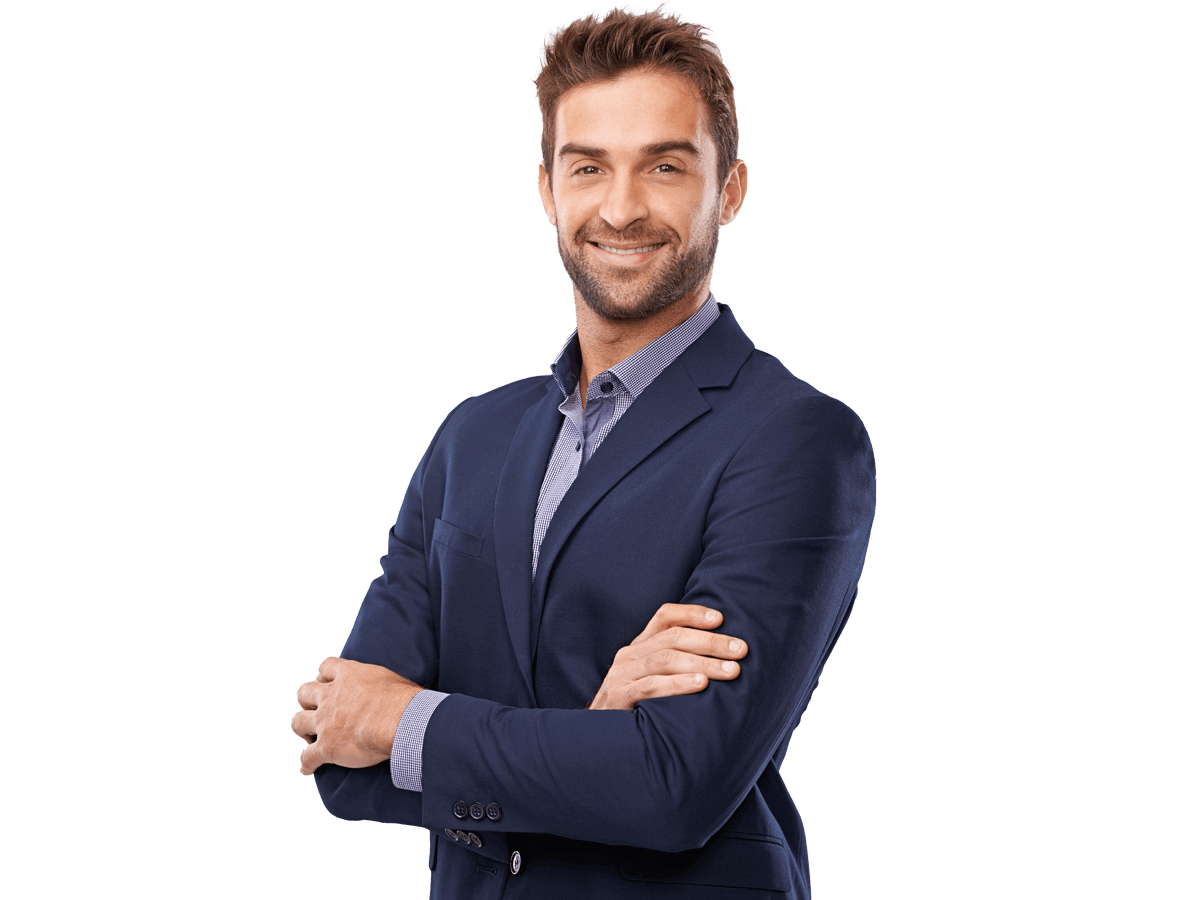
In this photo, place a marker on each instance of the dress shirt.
(609, 396)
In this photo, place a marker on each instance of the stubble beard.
(621, 296)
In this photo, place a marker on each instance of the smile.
(620, 252)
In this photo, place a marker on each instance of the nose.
(624, 202)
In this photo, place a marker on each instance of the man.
(572, 541)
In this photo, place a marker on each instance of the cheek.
(701, 219)
(697, 225)
(573, 216)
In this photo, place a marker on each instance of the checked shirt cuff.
(410, 739)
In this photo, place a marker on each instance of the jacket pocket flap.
(457, 539)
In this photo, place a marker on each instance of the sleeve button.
(493, 812)
(450, 834)
(476, 811)
(459, 809)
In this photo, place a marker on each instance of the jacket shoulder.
(789, 402)
(499, 404)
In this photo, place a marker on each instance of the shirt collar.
(637, 371)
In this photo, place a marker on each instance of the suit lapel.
(668, 404)
(516, 508)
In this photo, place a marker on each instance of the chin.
(627, 309)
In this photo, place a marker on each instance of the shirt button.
(514, 862)
(476, 811)
(460, 809)
(606, 387)
(493, 811)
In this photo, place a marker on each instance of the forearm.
(557, 770)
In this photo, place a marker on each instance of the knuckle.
(661, 659)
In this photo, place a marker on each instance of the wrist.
(388, 720)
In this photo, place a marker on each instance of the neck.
(604, 342)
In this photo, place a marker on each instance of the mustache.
(596, 232)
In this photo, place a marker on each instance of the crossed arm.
(785, 534)
(349, 715)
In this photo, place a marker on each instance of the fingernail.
(710, 616)
(696, 679)
(735, 645)
(728, 666)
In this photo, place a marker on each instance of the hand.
(350, 714)
(674, 655)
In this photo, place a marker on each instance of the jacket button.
(493, 812)
(514, 862)
(474, 839)
(460, 809)
(450, 834)
(463, 836)
(476, 811)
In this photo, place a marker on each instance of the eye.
(665, 167)
(586, 170)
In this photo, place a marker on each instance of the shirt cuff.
(410, 739)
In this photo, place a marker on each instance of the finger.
(304, 723)
(664, 686)
(308, 694)
(704, 643)
(689, 615)
(676, 662)
(311, 759)
(328, 669)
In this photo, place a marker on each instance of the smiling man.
(627, 263)
(536, 676)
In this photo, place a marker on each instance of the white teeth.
(621, 252)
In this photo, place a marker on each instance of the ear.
(734, 192)
(547, 194)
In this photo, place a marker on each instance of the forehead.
(635, 109)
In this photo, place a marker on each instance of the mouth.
(626, 251)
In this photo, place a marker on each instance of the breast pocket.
(456, 539)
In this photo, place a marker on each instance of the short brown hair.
(597, 50)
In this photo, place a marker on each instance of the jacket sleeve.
(394, 628)
(784, 544)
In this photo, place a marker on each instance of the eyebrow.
(648, 150)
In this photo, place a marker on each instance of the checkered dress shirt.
(609, 396)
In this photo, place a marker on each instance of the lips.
(623, 251)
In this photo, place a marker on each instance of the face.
(634, 196)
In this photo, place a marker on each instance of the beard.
(626, 296)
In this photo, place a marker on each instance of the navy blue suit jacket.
(729, 483)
